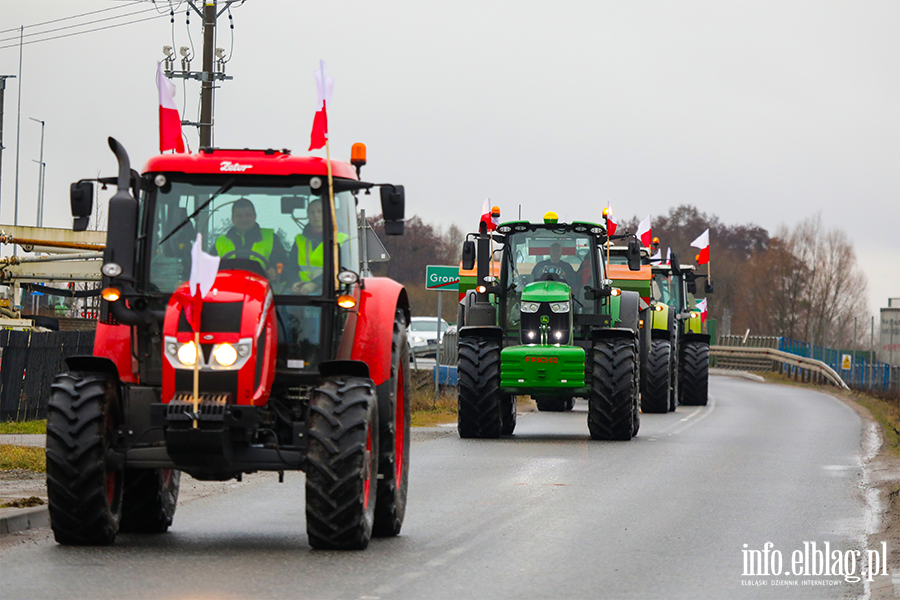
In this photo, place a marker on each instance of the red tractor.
(301, 364)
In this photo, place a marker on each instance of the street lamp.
(39, 220)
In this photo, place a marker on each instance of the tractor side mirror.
(708, 288)
(691, 286)
(676, 266)
(392, 207)
(468, 255)
(81, 197)
(634, 255)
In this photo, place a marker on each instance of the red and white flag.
(643, 232)
(702, 242)
(610, 222)
(668, 256)
(490, 215)
(324, 87)
(656, 258)
(169, 120)
(204, 268)
(701, 305)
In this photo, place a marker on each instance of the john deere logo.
(545, 319)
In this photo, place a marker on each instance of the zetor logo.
(542, 359)
(227, 165)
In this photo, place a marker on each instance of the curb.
(740, 374)
(20, 519)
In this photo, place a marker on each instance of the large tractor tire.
(393, 464)
(561, 404)
(695, 374)
(342, 464)
(149, 501)
(674, 378)
(507, 415)
(84, 489)
(655, 395)
(612, 404)
(480, 402)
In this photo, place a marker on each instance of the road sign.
(846, 362)
(442, 278)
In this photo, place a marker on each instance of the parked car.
(423, 331)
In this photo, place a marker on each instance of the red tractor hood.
(246, 162)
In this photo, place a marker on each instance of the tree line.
(803, 282)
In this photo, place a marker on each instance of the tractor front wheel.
(84, 489)
(150, 498)
(480, 404)
(695, 374)
(342, 464)
(655, 396)
(507, 415)
(612, 401)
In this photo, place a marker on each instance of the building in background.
(889, 339)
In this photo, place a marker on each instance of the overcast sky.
(758, 112)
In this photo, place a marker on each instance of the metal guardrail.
(755, 359)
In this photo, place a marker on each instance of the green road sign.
(442, 278)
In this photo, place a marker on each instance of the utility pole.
(208, 76)
(3, 79)
(39, 219)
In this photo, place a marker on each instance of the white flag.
(204, 268)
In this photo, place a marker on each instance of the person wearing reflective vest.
(308, 252)
(246, 239)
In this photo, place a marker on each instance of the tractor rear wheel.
(84, 489)
(393, 464)
(479, 388)
(149, 501)
(655, 395)
(695, 374)
(673, 378)
(342, 464)
(613, 397)
(507, 415)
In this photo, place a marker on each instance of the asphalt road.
(545, 514)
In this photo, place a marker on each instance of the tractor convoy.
(292, 361)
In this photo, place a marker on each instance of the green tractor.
(547, 323)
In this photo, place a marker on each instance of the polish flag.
(668, 256)
(643, 232)
(610, 222)
(656, 258)
(702, 242)
(169, 120)
(701, 304)
(324, 87)
(490, 216)
(204, 268)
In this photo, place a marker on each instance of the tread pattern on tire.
(479, 388)
(342, 414)
(507, 415)
(611, 409)
(695, 374)
(390, 507)
(149, 499)
(80, 409)
(655, 395)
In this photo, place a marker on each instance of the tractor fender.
(629, 305)
(112, 343)
(703, 338)
(378, 301)
(93, 364)
(490, 332)
(662, 323)
(612, 333)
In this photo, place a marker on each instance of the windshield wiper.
(228, 185)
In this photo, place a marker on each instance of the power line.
(157, 16)
(76, 16)
(137, 12)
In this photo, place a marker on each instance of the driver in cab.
(554, 268)
(246, 239)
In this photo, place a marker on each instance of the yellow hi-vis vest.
(307, 256)
(224, 245)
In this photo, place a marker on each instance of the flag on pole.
(668, 256)
(701, 304)
(702, 242)
(643, 232)
(204, 268)
(324, 87)
(169, 120)
(656, 258)
(490, 216)
(610, 222)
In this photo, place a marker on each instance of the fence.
(30, 361)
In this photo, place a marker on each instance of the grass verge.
(28, 427)
(426, 412)
(22, 457)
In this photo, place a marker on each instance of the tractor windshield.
(279, 227)
(547, 255)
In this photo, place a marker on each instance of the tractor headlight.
(225, 354)
(187, 354)
(559, 307)
(530, 307)
(558, 335)
(530, 335)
